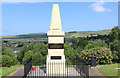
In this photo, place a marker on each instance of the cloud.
(98, 7)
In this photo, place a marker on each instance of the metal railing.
(83, 67)
(27, 66)
(77, 69)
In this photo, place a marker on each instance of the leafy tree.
(27, 55)
(114, 34)
(6, 61)
(97, 44)
(9, 52)
(114, 43)
(38, 52)
(79, 44)
(38, 59)
(21, 53)
(70, 55)
(74, 43)
(0, 59)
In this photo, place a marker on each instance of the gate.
(78, 69)
(27, 66)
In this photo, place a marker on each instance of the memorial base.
(55, 67)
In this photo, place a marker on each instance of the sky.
(24, 18)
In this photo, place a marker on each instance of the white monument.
(55, 58)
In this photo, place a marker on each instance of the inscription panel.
(56, 46)
(55, 57)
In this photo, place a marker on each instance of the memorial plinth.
(55, 58)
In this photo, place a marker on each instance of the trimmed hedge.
(104, 55)
(6, 61)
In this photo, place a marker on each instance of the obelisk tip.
(55, 18)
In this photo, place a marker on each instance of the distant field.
(9, 36)
(67, 34)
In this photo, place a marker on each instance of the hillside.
(87, 33)
(67, 34)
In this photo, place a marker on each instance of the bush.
(38, 52)
(9, 52)
(27, 56)
(115, 47)
(104, 55)
(70, 54)
(97, 44)
(6, 61)
(0, 59)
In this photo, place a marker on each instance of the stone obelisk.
(55, 58)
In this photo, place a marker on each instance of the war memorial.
(55, 55)
(59, 54)
(56, 65)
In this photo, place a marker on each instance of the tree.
(114, 43)
(6, 61)
(114, 34)
(79, 44)
(97, 44)
(21, 53)
(27, 55)
(38, 52)
(9, 52)
(70, 55)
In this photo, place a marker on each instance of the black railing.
(82, 67)
(77, 69)
(27, 66)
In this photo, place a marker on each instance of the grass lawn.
(109, 70)
(8, 70)
(0, 72)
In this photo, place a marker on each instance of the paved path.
(19, 73)
(71, 71)
(41, 71)
(92, 73)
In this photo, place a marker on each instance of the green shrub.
(38, 52)
(27, 56)
(70, 54)
(0, 59)
(9, 52)
(6, 61)
(95, 44)
(104, 55)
